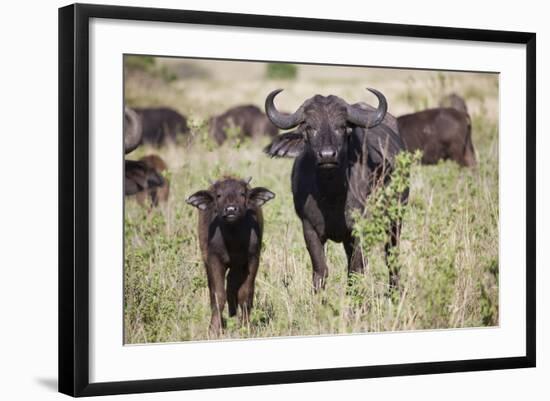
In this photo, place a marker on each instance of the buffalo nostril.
(327, 154)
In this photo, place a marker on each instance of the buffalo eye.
(243, 194)
(218, 196)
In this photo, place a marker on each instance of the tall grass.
(448, 256)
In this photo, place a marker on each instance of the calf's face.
(230, 199)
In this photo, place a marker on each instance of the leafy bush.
(384, 204)
(140, 63)
(281, 71)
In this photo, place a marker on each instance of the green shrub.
(384, 205)
(140, 63)
(281, 71)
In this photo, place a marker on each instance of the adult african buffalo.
(440, 133)
(138, 176)
(342, 152)
(455, 102)
(248, 119)
(161, 125)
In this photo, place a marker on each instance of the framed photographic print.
(250, 199)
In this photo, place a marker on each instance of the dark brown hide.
(441, 134)
(161, 125)
(230, 235)
(455, 102)
(140, 178)
(156, 193)
(249, 120)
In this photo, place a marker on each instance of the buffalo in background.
(440, 133)
(342, 152)
(157, 193)
(455, 102)
(140, 177)
(161, 125)
(249, 120)
(133, 130)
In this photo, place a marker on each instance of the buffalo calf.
(441, 134)
(230, 236)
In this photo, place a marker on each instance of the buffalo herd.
(341, 153)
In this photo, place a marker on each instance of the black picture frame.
(74, 198)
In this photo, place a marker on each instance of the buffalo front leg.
(392, 249)
(316, 251)
(215, 271)
(355, 256)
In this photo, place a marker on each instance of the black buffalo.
(230, 236)
(248, 120)
(342, 152)
(161, 125)
(441, 134)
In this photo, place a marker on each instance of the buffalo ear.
(260, 195)
(290, 144)
(200, 199)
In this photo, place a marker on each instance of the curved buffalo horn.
(368, 119)
(132, 130)
(281, 120)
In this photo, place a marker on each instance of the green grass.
(448, 255)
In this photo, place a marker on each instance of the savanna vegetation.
(448, 256)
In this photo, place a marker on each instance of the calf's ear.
(260, 195)
(200, 199)
(290, 144)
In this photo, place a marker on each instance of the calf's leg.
(216, 279)
(235, 278)
(246, 290)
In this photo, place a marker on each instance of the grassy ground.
(449, 248)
